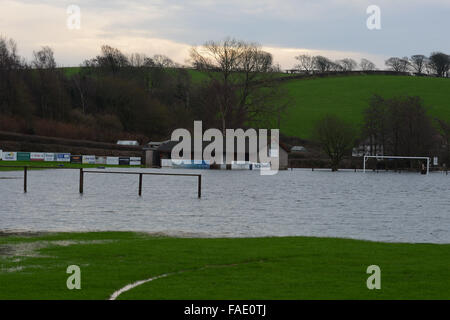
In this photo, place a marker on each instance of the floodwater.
(385, 206)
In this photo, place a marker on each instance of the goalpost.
(397, 157)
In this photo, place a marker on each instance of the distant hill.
(346, 96)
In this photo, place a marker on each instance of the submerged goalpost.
(397, 157)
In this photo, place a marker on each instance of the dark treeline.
(437, 64)
(399, 126)
(137, 97)
(109, 98)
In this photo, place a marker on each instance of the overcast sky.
(286, 28)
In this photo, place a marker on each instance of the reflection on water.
(405, 207)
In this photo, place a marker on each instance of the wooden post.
(199, 186)
(25, 169)
(81, 180)
(140, 184)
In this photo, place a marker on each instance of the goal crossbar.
(397, 157)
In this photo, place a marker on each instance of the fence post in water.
(81, 180)
(140, 184)
(25, 179)
(199, 186)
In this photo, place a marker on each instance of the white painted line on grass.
(128, 287)
(134, 285)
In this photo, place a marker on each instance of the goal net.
(396, 157)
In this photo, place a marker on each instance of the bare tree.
(9, 58)
(418, 62)
(367, 65)
(137, 59)
(306, 63)
(44, 59)
(323, 64)
(336, 137)
(347, 64)
(440, 63)
(111, 59)
(240, 80)
(163, 61)
(375, 124)
(398, 64)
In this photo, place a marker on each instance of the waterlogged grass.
(34, 267)
(4, 165)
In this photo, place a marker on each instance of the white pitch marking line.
(135, 284)
(138, 283)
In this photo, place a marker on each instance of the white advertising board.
(37, 156)
(88, 160)
(166, 163)
(63, 157)
(435, 161)
(135, 161)
(9, 156)
(100, 160)
(112, 160)
(238, 165)
(256, 166)
(49, 157)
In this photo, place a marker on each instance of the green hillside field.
(348, 96)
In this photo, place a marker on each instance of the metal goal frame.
(397, 157)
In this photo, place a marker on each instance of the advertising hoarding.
(76, 159)
(37, 156)
(23, 156)
(135, 161)
(63, 157)
(49, 157)
(124, 161)
(112, 160)
(9, 156)
(88, 160)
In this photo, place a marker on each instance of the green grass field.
(348, 96)
(34, 267)
(4, 165)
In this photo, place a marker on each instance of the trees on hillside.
(418, 63)
(336, 138)
(437, 64)
(398, 64)
(44, 58)
(240, 86)
(323, 64)
(398, 126)
(110, 59)
(367, 65)
(440, 63)
(347, 64)
(306, 63)
(444, 131)
(116, 96)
